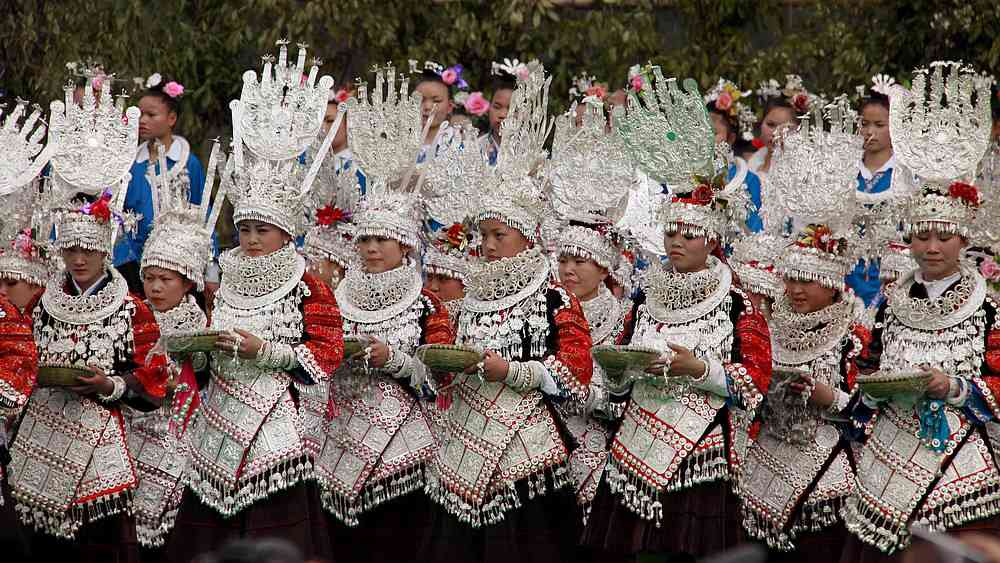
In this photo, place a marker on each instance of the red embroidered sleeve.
(150, 370)
(628, 327)
(437, 327)
(322, 348)
(571, 364)
(860, 337)
(751, 374)
(988, 384)
(18, 358)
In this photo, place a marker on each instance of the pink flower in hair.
(990, 270)
(23, 243)
(724, 102)
(173, 89)
(636, 82)
(477, 104)
(449, 76)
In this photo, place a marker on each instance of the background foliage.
(207, 44)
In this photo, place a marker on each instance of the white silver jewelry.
(704, 373)
(116, 393)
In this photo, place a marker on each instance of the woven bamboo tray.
(447, 357)
(61, 376)
(187, 343)
(895, 386)
(624, 365)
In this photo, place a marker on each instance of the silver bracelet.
(839, 403)
(394, 361)
(521, 377)
(276, 356)
(704, 374)
(264, 354)
(116, 393)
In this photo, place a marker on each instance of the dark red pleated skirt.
(14, 544)
(387, 533)
(857, 551)
(824, 546)
(543, 530)
(699, 521)
(294, 515)
(108, 540)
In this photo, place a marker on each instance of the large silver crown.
(512, 191)
(589, 175)
(941, 131)
(94, 149)
(670, 138)
(668, 133)
(274, 121)
(813, 177)
(454, 175)
(25, 252)
(181, 239)
(330, 207)
(812, 183)
(24, 154)
(386, 140)
(94, 143)
(938, 131)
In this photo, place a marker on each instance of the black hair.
(731, 125)
(742, 146)
(428, 75)
(875, 99)
(504, 81)
(173, 104)
(778, 102)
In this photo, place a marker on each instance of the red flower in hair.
(820, 237)
(801, 102)
(757, 143)
(702, 195)
(965, 192)
(100, 210)
(329, 215)
(456, 235)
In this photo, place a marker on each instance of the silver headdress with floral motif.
(753, 261)
(813, 183)
(24, 154)
(94, 148)
(181, 239)
(453, 175)
(447, 252)
(988, 182)
(274, 122)
(940, 131)
(22, 257)
(512, 191)
(25, 254)
(667, 132)
(589, 175)
(330, 208)
(386, 138)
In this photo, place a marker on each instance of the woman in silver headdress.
(279, 334)
(377, 440)
(928, 403)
